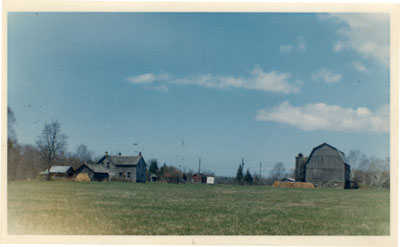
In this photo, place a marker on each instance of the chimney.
(140, 153)
(119, 154)
(106, 153)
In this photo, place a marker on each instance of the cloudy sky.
(220, 86)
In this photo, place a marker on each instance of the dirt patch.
(82, 177)
(305, 185)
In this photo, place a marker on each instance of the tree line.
(26, 161)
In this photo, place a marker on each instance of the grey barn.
(127, 168)
(325, 167)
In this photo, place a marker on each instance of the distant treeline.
(26, 161)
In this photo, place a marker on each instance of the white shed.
(210, 180)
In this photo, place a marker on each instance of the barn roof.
(341, 154)
(96, 168)
(119, 160)
(57, 169)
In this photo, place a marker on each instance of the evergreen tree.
(248, 179)
(153, 169)
(239, 174)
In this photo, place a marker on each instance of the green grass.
(114, 208)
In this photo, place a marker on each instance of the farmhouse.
(325, 167)
(127, 168)
(59, 172)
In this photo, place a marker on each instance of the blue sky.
(220, 86)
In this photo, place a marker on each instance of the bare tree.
(51, 143)
(278, 172)
(83, 153)
(11, 135)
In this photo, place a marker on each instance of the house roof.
(57, 169)
(119, 160)
(96, 168)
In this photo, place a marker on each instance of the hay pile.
(304, 185)
(82, 177)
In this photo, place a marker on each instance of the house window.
(129, 174)
(120, 174)
(108, 166)
(108, 163)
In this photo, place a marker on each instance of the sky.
(220, 86)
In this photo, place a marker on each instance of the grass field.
(113, 208)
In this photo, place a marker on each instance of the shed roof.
(96, 168)
(57, 169)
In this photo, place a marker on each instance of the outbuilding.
(94, 171)
(58, 172)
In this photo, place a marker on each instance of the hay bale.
(302, 185)
(82, 177)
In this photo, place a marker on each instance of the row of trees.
(25, 161)
(171, 174)
(278, 172)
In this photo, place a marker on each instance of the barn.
(326, 166)
(58, 172)
(95, 172)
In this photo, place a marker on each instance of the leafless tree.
(51, 143)
(83, 153)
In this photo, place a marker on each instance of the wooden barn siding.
(325, 165)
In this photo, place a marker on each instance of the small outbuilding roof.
(57, 169)
(96, 168)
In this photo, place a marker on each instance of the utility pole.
(198, 174)
(259, 180)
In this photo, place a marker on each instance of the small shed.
(58, 172)
(153, 177)
(199, 178)
(94, 171)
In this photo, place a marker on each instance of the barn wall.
(325, 168)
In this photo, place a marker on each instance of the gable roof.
(95, 168)
(58, 169)
(341, 154)
(119, 160)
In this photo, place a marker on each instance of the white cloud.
(359, 67)
(284, 49)
(326, 75)
(321, 116)
(272, 81)
(147, 78)
(367, 34)
(302, 46)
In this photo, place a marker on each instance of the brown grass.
(303, 185)
(82, 177)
